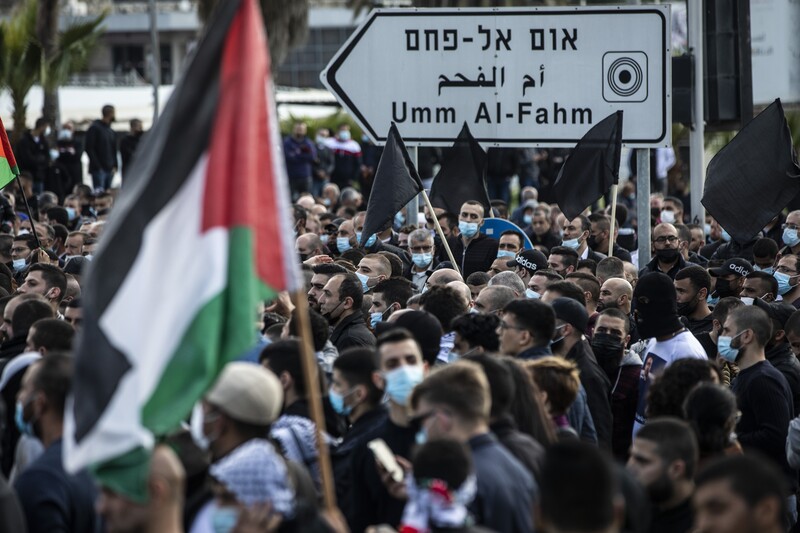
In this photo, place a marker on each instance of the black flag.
(754, 176)
(592, 167)
(462, 175)
(396, 183)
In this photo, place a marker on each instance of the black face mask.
(723, 288)
(591, 242)
(608, 349)
(668, 255)
(687, 308)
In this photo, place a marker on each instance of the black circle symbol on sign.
(624, 76)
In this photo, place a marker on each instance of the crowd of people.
(497, 387)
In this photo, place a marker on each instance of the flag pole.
(28, 209)
(613, 220)
(440, 232)
(311, 378)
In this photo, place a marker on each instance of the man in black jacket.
(569, 343)
(473, 251)
(777, 349)
(340, 303)
(33, 153)
(101, 147)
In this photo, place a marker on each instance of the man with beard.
(663, 459)
(657, 320)
(322, 273)
(691, 286)
(622, 366)
(601, 233)
(730, 277)
(667, 252)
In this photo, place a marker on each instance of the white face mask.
(196, 428)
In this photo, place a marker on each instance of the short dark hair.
(570, 256)
(395, 290)
(698, 277)
(461, 386)
(445, 303)
(351, 288)
(478, 329)
(765, 247)
(357, 365)
(53, 334)
(616, 313)
(750, 477)
(59, 215)
(478, 278)
(674, 440)
(684, 233)
(450, 218)
(725, 306)
(29, 238)
(447, 460)
(587, 282)
(576, 476)
(709, 409)
(501, 382)
(537, 317)
(395, 262)
(54, 379)
(666, 394)
(284, 356)
(28, 312)
(591, 264)
(53, 277)
(767, 280)
(754, 318)
(517, 234)
(354, 255)
(328, 269)
(569, 289)
(610, 267)
(319, 328)
(677, 201)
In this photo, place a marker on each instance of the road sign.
(516, 76)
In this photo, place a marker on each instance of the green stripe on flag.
(7, 173)
(126, 474)
(221, 332)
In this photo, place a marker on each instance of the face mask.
(24, 231)
(746, 300)
(687, 308)
(667, 217)
(224, 519)
(26, 428)
(343, 244)
(18, 264)
(668, 255)
(399, 219)
(422, 260)
(725, 350)
(326, 202)
(302, 257)
(324, 238)
(196, 427)
(505, 253)
(319, 140)
(337, 402)
(53, 154)
(370, 241)
(468, 229)
(527, 219)
(768, 270)
(344, 135)
(707, 229)
(712, 300)
(472, 310)
(421, 437)
(374, 318)
(532, 294)
(591, 242)
(401, 381)
(555, 343)
(47, 131)
(608, 350)
(723, 288)
(65, 135)
(784, 284)
(572, 243)
(364, 279)
(726, 236)
(71, 214)
(790, 237)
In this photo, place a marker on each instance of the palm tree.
(286, 22)
(24, 62)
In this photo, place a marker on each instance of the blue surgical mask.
(324, 238)
(572, 243)
(71, 214)
(421, 437)
(26, 428)
(532, 294)
(726, 236)
(344, 135)
(784, 284)
(707, 229)
(399, 219)
(18, 264)
(363, 278)
(768, 270)
(337, 402)
(527, 219)
(370, 241)
(343, 244)
(422, 260)
(790, 237)
(374, 318)
(712, 300)
(224, 519)
(505, 253)
(725, 350)
(401, 381)
(468, 229)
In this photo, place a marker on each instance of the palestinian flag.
(8, 163)
(200, 236)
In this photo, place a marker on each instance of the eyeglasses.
(506, 325)
(664, 239)
(785, 270)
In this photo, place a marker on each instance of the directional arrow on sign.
(517, 76)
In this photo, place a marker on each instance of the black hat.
(737, 266)
(531, 260)
(656, 306)
(571, 312)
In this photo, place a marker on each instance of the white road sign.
(516, 76)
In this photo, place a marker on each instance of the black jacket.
(598, 390)
(523, 447)
(784, 360)
(652, 266)
(352, 331)
(33, 155)
(478, 256)
(101, 146)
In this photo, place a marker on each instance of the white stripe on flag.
(178, 270)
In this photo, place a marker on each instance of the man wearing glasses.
(791, 234)
(667, 248)
(423, 258)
